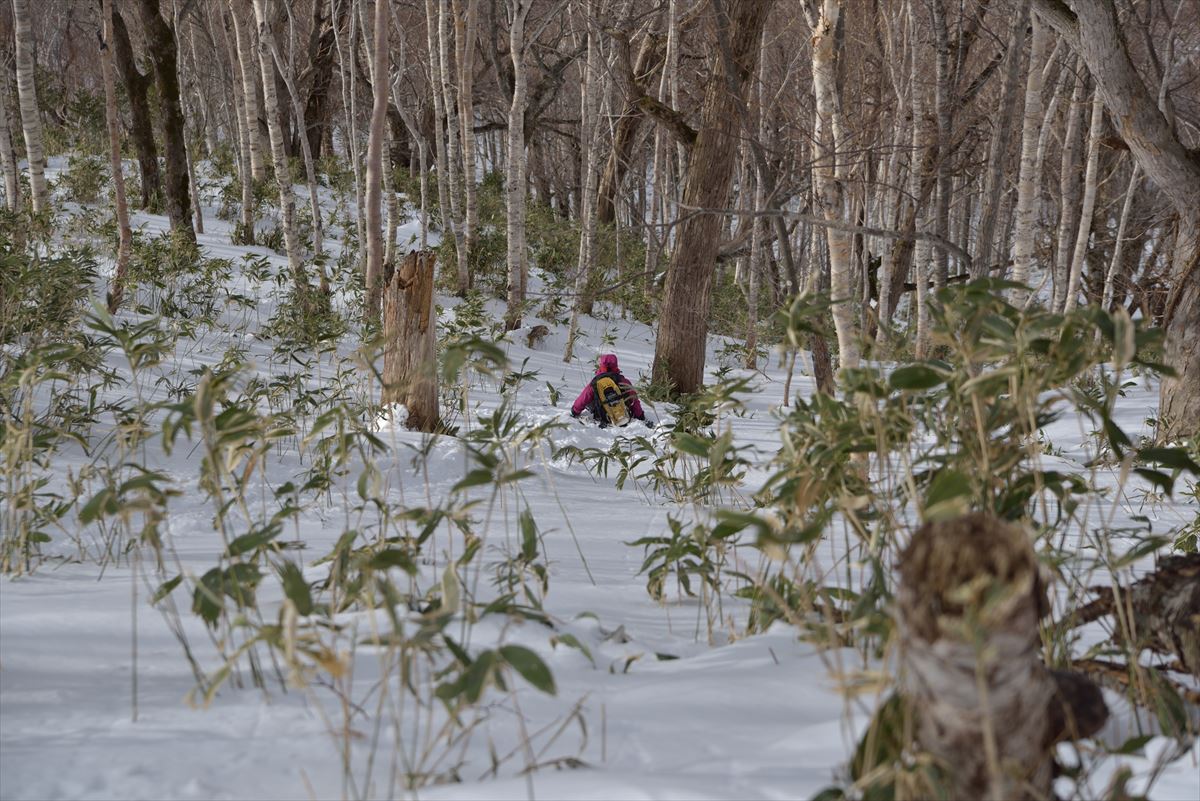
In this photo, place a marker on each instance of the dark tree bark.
(649, 59)
(683, 331)
(141, 129)
(160, 46)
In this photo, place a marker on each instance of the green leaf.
(572, 641)
(476, 678)
(474, 479)
(1157, 478)
(254, 540)
(529, 541)
(1174, 458)
(530, 666)
(165, 589)
(689, 443)
(295, 588)
(949, 495)
(101, 504)
(915, 377)
(393, 557)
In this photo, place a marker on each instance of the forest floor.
(663, 699)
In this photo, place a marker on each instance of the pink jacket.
(608, 364)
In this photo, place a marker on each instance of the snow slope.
(657, 708)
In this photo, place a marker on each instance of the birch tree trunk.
(466, 22)
(942, 111)
(374, 179)
(441, 156)
(283, 175)
(829, 175)
(244, 231)
(925, 139)
(589, 135)
(1088, 207)
(447, 86)
(1069, 186)
(1027, 181)
(245, 65)
(12, 182)
(1114, 266)
(347, 73)
(515, 180)
(117, 285)
(31, 121)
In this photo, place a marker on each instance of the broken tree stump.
(409, 356)
(988, 709)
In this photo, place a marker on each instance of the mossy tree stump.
(988, 709)
(409, 360)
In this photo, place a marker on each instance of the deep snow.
(665, 713)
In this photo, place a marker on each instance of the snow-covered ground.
(653, 704)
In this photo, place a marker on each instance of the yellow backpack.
(609, 400)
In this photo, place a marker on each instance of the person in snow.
(610, 397)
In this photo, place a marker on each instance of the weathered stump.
(409, 360)
(988, 709)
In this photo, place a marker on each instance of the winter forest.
(634, 399)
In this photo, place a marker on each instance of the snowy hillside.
(233, 444)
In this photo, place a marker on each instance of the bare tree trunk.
(452, 216)
(12, 183)
(163, 55)
(466, 23)
(682, 339)
(141, 129)
(1088, 207)
(346, 68)
(1069, 186)
(317, 106)
(589, 136)
(422, 144)
(1110, 276)
(943, 113)
(988, 709)
(374, 180)
(925, 141)
(409, 360)
(245, 65)
(310, 169)
(31, 121)
(117, 285)
(993, 182)
(1024, 233)
(515, 183)
(244, 230)
(283, 175)
(441, 157)
(829, 175)
(1093, 31)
